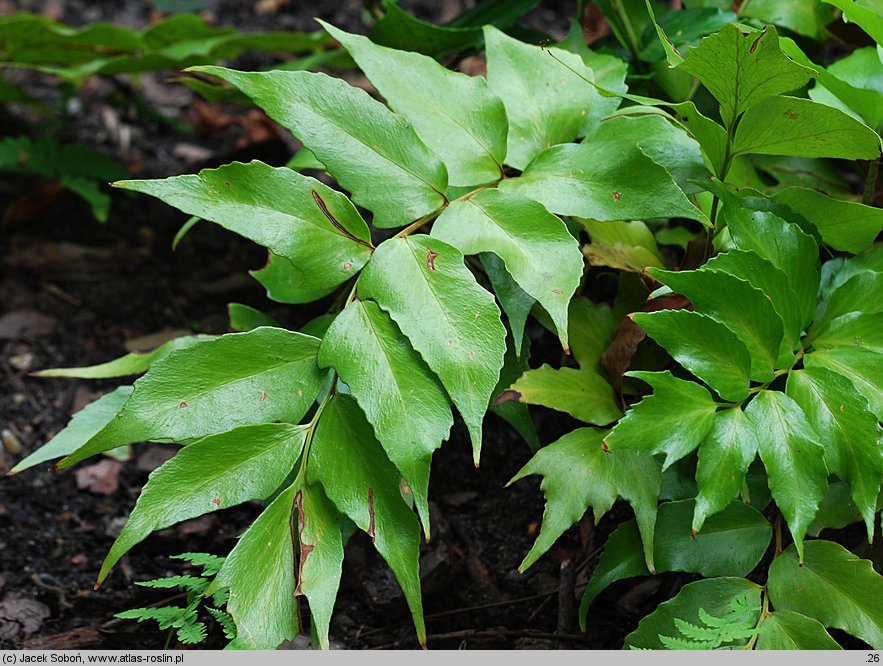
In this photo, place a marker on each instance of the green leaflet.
(858, 294)
(855, 328)
(283, 282)
(840, 417)
(630, 234)
(673, 420)
(714, 596)
(837, 271)
(731, 544)
(526, 78)
(371, 151)
(603, 181)
(844, 225)
(259, 573)
(869, 20)
(246, 318)
(741, 69)
(804, 18)
(771, 280)
(82, 427)
(795, 126)
(516, 414)
(529, 240)
(450, 320)
(704, 346)
(784, 245)
(212, 473)
(591, 327)
(278, 208)
(321, 556)
(724, 457)
(401, 397)
(577, 473)
(514, 301)
(734, 302)
(265, 375)
(863, 367)
(455, 115)
(364, 485)
(852, 84)
(832, 586)
(794, 460)
(584, 394)
(130, 364)
(787, 630)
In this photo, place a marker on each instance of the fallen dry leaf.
(101, 478)
(21, 617)
(22, 323)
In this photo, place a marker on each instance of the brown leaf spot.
(617, 196)
(604, 447)
(347, 265)
(791, 114)
(506, 396)
(472, 355)
(182, 405)
(227, 184)
(430, 259)
(754, 44)
(450, 343)
(305, 548)
(557, 291)
(263, 395)
(371, 513)
(216, 502)
(693, 534)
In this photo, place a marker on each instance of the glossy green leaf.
(765, 276)
(795, 126)
(283, 282)
(661, 140)
(713, 596)
(450, 320)
(514, 301)
(321, 556)
(863, 367)
(859, 294)
(516, 414)
(673, 420)
(259, 573)
(837, 271)
(855, 328)
(592, 328)
(578, 474)
(857, 12)
(278, 208)
(604, 181)
(844, 225)
(794, 460)
(805, 17)
(704, 346)
(130, 364)
(400, 396)
(785, 246)
(468, 130)
(84, 425)
(742, 69)
(724, 457)
(840, 417)
(527, 78)
(734, 302)
(832, 586)
(584, 394)
(212, 473)
(787, 630)
(371, 151)
(265, 375)
(731, 544)
(836, 510)
(528, 238)
(852, 84)
(675, 30)
(365, 486)
(246, 318)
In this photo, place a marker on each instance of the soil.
(74, 292)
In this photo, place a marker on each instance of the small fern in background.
(182, 621)
(737, 624)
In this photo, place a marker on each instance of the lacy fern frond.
(736, 624)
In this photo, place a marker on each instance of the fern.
(189, 583)
(734, 625)
(211, 564)
(224, 620)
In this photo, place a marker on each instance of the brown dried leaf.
(101, 478)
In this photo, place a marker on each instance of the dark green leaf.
(246, 318)
(450, 320)
(365, 486)
(787, 630)
(514, 301)
(805, 17)
(371, 151)
(869, 20)
(673, 420)
(832, 586)
(592, 327)
(516, 414)
(863, 367)
(577, 473)
(794, 460)
(858, 294)
(855, 328)
(283, 281)
(704, 346)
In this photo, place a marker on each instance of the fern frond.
(190, 583)
(166, 617)
(686, 644)
(192, 633)
(211, 564)
(226, 622)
